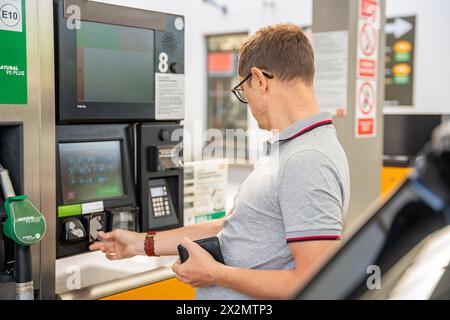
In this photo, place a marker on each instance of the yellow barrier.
(392, 177)
(171, 289)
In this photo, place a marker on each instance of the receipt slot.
(160, 175)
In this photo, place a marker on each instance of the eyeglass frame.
(237, 88)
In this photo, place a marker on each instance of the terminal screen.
(90, 171)
(157, 192)
(114, 63)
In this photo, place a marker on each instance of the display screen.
(114, 63)
(157, 192)
(90, 171)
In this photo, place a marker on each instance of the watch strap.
(149, 245)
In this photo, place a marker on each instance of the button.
(164, 135)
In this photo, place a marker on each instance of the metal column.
(364, 155)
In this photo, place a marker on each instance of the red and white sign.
(366, 128)
(366, 108)
(367, 68)
(368, 39)
(369, 9)
(366, 98)
(368, 42)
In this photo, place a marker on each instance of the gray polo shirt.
(299, 191)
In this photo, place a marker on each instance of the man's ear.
(259, 80)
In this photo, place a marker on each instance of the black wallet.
(211, 245)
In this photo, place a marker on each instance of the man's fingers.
(188, 244)
(106, 236)
(105, 247)
(180, 278)
(109, 247)
(96, 246)
(112, 256)
(176, 266)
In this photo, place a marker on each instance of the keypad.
(161, 206)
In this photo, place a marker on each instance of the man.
(286, 219)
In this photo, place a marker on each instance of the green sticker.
(402, 79)
(68, 211)
(212, 216)
(13, 52)
(402, 57)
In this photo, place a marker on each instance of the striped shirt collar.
(301, 127)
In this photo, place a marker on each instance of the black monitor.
(406, 135)
(91, 171)
(106, 53)
(94, 163)
(117, 64)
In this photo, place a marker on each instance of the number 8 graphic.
(163, 62)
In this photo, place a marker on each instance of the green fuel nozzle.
(24, 223)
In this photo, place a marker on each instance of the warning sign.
(366, 127)
(368, 39)
(367, 99)
(370, 9)
(366, 108)
(367, 69)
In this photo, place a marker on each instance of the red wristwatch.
(149, 245)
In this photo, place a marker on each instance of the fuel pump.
(26, 226)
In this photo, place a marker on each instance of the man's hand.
(120, 244)
(200, 270)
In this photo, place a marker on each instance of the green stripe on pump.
(68, 211)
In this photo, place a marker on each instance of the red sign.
(366, 127)
(366, 100)
(367, 68)
(221, 62)
(369, 9)
(368, 39)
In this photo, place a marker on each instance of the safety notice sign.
(368, 43)
(366, 108)
(367, 69)
(13, 52)
(370, 10)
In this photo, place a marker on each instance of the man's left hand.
(200, 270)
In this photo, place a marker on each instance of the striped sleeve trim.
(314, 238)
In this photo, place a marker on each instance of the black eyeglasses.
(239, 92)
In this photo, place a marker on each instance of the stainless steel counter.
(91, 276)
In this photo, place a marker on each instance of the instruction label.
(169, 96)
(92, 207)
(331, 59)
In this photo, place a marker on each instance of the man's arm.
(166, 242)
(201, 271)
(122, 244)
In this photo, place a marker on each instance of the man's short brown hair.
(282, 49)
